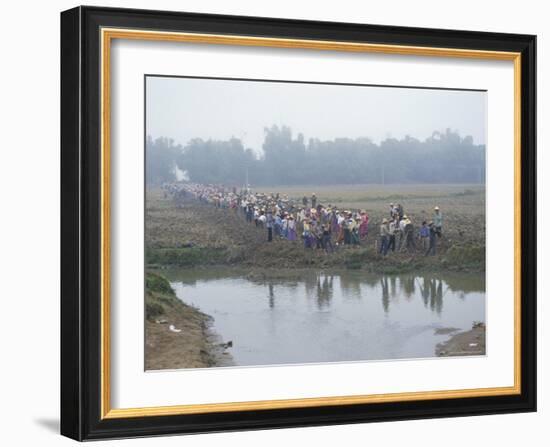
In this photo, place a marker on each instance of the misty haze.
(292, 222)
(292, 133)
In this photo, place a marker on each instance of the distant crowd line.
(318, 226)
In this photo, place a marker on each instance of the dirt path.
(470, 342)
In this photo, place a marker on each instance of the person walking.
(438, 221)
(277, 225)
(432, 239)
(333, 219)
(393, 230)
(291, 229)
(318, 234)
(261, 219)
(347, 230)
(327, 242)
(409, 235)
(400, 233)
(425, 236)
(249, 212)
(284, 227)
(400, 211)
(364, 226)
(306, 233)
(341, 224)
(384, 237)
(355, 236)
(269, 221)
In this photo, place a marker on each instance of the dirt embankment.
(465, 343)
(194, 234)
(177, 335)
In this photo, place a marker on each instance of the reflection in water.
(320, 287)
(311, 317)
(437, 297)
(271, 295)
(432, 293)
(385, 294)
(425, 290)
(393, 282)
(324, 290)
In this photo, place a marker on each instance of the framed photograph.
(276, 223)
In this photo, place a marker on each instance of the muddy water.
(320, 317)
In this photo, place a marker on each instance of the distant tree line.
(161, 160)
(444, 157)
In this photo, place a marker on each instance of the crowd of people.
(318, 226)
(398, 232)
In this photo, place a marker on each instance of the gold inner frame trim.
(107, 35)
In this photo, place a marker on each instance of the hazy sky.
(183, 108)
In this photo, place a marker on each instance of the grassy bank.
(176, 335)
(457, 259)
(201, 235)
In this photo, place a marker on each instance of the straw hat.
(436, 208)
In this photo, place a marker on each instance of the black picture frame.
(81, 223)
